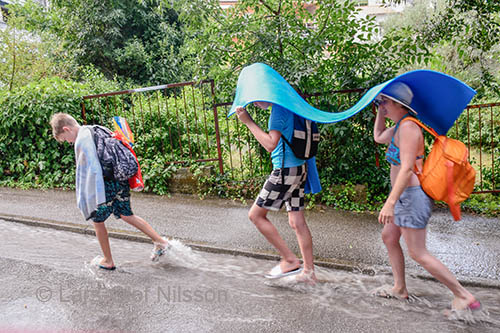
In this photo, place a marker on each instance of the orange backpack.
(446, 174)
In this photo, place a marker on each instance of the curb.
(138, 237)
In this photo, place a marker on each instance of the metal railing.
(244, 156)
(177, 121)
(478, 127)
(181, 123)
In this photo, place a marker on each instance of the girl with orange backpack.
(408, 208)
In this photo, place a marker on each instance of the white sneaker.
(159, 249)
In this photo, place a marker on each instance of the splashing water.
(352, 293)
(99, 275)
(179, 254)
(337, 291)
(349, 292)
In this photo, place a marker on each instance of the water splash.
(351, 293)
(469, 316)
(99, 275)
(179, 254)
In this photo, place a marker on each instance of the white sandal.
(277, 273)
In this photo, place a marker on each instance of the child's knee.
(389, 238)
(257, 216)
(253, 216)
(418, 255)
(296, 222)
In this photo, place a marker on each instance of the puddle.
(337, 291)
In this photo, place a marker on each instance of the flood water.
(49, 281)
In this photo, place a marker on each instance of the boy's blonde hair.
(60, 120)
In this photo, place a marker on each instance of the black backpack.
(305, 138)
(117, 161)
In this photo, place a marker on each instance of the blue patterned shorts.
(117, 201)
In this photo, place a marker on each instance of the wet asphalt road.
(48, 284)
(470, 247)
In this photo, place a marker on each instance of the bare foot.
(459, 304)
(106, 264)
(388, 292)
(307, 277)
(287, 266)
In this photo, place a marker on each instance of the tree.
(26, 57)
(464, 36)
(316, 47)
(312, 46)
(135, 40)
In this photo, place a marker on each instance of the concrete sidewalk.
(470, 247)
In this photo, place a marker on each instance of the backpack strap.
(285, 140)
(419, 123)
(428, 129)
(283, 160)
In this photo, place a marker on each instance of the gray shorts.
(413, 209)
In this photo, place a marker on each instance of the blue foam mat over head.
(439, 99)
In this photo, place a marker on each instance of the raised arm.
(381, 134)
(268, 140)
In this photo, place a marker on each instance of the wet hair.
(60, 120)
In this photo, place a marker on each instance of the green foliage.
(169, 125)
(464, 36)
(243, 155)
(28, 152)
(96, 81)
(29, 155)
(478, 127)
(489, 175)
(224, 186)
(342, 197)
(135, 40)
(317, 50)
(179, 126)
(26, 58)
(312, 49)
(487, 204)
(156, 173)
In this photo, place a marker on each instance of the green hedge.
(29, 156)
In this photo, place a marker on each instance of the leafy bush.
(29, 154)
(25, 57)
(224, 186)
(487, 203)
(175, 124)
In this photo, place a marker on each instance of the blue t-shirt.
(282, 120)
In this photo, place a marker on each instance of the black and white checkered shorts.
(274, 193)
